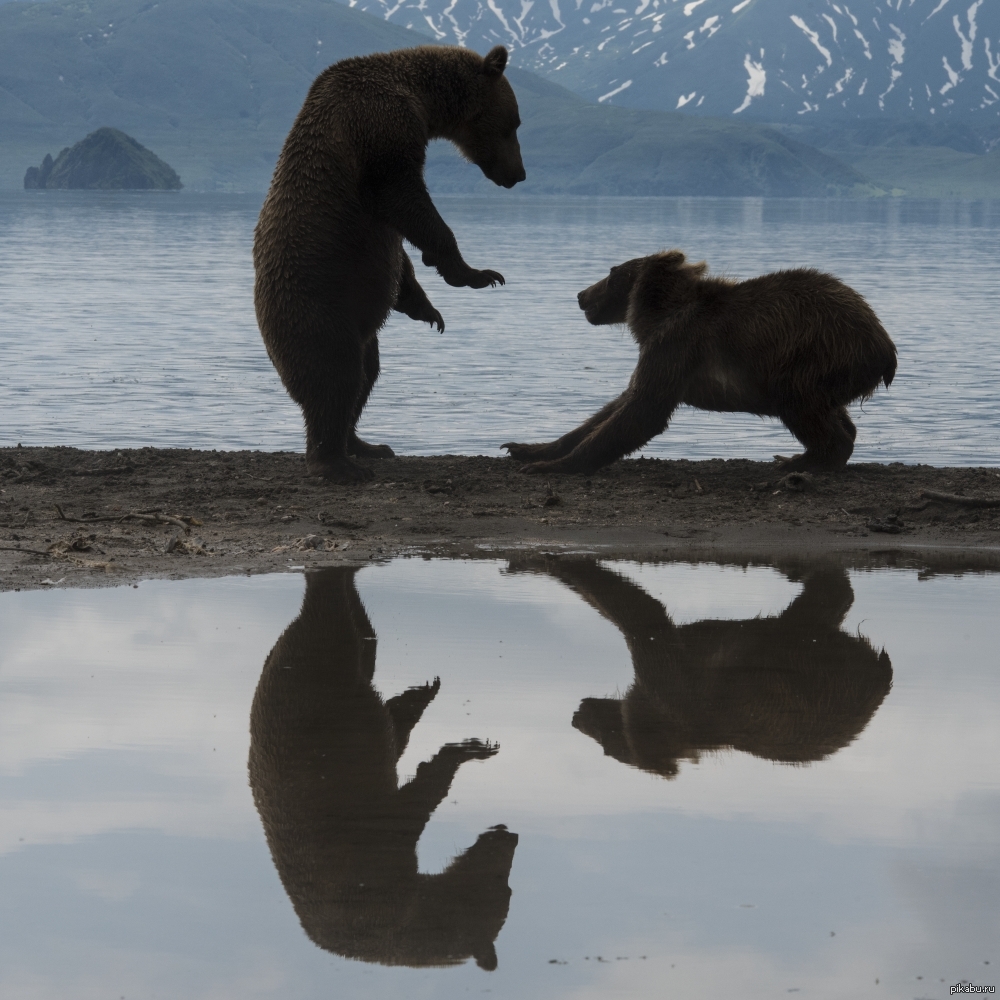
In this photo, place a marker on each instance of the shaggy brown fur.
(798, 345)
(347, 190)
(792, 688)
(342, 833)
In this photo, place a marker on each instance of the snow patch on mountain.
(613, 93)
(756, 80)
(919, 57)
(812, 36)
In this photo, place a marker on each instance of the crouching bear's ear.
(673, 262)
(495, 61)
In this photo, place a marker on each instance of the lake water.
(800, 792)
(127, 320)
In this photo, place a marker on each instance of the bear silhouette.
(342, 833)
(798, 345)
(348, 188)
(791, 688)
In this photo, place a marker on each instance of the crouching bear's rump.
(347, 189)
(798, 345)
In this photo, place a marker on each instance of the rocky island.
(105, 160)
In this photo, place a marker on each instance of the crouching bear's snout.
(606, 301)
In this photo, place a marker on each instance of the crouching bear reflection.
(792, 688)
(343, 835)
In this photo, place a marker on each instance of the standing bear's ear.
(495, 61)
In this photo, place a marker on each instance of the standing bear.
(798, 345)
(342, 828)
(347, 190)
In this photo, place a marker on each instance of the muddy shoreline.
(100, 518)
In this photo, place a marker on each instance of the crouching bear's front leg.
(567, 443)
(412, 299)
(641, 413)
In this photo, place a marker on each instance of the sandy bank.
(87, 518)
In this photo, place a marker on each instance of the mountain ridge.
(771, 60)
(214, 85)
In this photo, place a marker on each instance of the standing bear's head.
(486, 134)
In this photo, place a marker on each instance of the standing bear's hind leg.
(371, 368)
(828, 436)
(329, 391)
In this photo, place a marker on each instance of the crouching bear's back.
(808, 333)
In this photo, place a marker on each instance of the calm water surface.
(676, 780)
(128, 320)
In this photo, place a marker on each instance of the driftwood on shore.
(964, 501)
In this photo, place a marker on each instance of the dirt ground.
(88, 518)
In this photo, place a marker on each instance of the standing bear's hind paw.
(362, 449)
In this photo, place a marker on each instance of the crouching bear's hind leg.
(828, 436)
(370, 370)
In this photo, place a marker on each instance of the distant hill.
(214, 85)
(574, 146)
(105, 160)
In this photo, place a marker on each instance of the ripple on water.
(128, 321)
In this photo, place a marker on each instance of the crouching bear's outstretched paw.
(559, 465)
(524, 452)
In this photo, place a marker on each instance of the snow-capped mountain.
(778, 60)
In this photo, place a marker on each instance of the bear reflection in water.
(343, 835)
(792, 688)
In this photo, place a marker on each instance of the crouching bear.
(347, 190)
(791, 688)
(798, 345)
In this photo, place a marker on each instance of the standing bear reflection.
(791, 688)
(342, 833)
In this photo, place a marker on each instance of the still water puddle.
(555, 777)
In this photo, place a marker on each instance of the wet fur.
(342, 832)
(798, 345)
(347, 190)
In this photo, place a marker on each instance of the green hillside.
(920, 159)
(573, 146)
(928, 172)
(213, 86)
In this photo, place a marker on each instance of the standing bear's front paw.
(480, 279)
(468, 277)
(434, 318)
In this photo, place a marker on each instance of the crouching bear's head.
(640, 286)
(488, 137)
